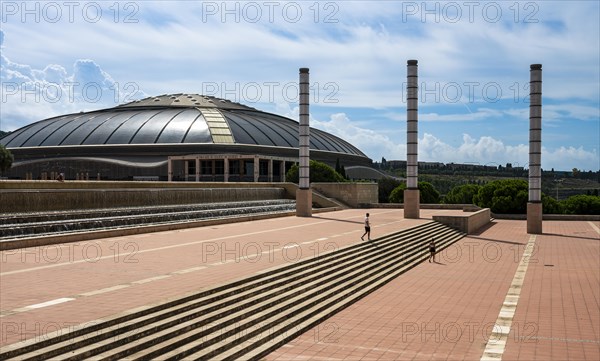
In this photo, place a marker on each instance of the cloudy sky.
(474, 57)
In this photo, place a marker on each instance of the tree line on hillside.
(505, 196)
(476, 170)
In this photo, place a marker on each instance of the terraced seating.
(248, 318)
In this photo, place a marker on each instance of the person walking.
(432, 250)
(367, 228)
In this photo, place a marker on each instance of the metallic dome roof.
(173, 119)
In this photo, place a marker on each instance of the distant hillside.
(559, 185)
(3, 133)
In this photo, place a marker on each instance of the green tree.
(6, 158)
(551, 205)
(340, 169)
(386, 185)
(427, 193)
(397, 195)
(504, 196)
(581, 204)
(319, 172)
(343, 172)
(462, 194)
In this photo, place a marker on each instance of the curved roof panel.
(173, 119)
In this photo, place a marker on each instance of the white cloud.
(370, 141)
(432, 148)
(484, 150)
(30, 94)
(371, 36)
(488, 150)
(564, 158)
(171, 48)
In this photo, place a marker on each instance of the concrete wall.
(35, 184)
(352, 194)
(38, 196)
(469, 222)
(54, 200)
(464, 207)
(551, 217)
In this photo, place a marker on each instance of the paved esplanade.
(434, 311)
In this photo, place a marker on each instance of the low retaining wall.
(37, 184)
(41, 200)
(41, 196)
(468, 223)
(464, 207)
(551, 217)
(353, 194)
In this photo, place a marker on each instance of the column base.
(412, 204)
(303, 203)
(534, 218)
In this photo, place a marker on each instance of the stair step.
(190, 340)
(332, 302)
(314, 278)
(216, 292)
(227, 320)
(286, 311)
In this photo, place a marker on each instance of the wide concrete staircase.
(249, 318)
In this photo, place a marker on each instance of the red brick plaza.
(500, 294)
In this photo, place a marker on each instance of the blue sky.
(474, 58)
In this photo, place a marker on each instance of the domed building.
(170, 137)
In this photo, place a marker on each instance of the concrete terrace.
(483, 296)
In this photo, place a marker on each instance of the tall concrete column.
(534, 206)
(411, 194)
(225, 169)
(304, 194)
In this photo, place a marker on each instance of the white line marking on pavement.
(594, 227)
(156, 249)
(146, 280)
(49, 303)
(494, 349)
(103, 290)
(151, 279)
(188, 270)
(176, 245)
